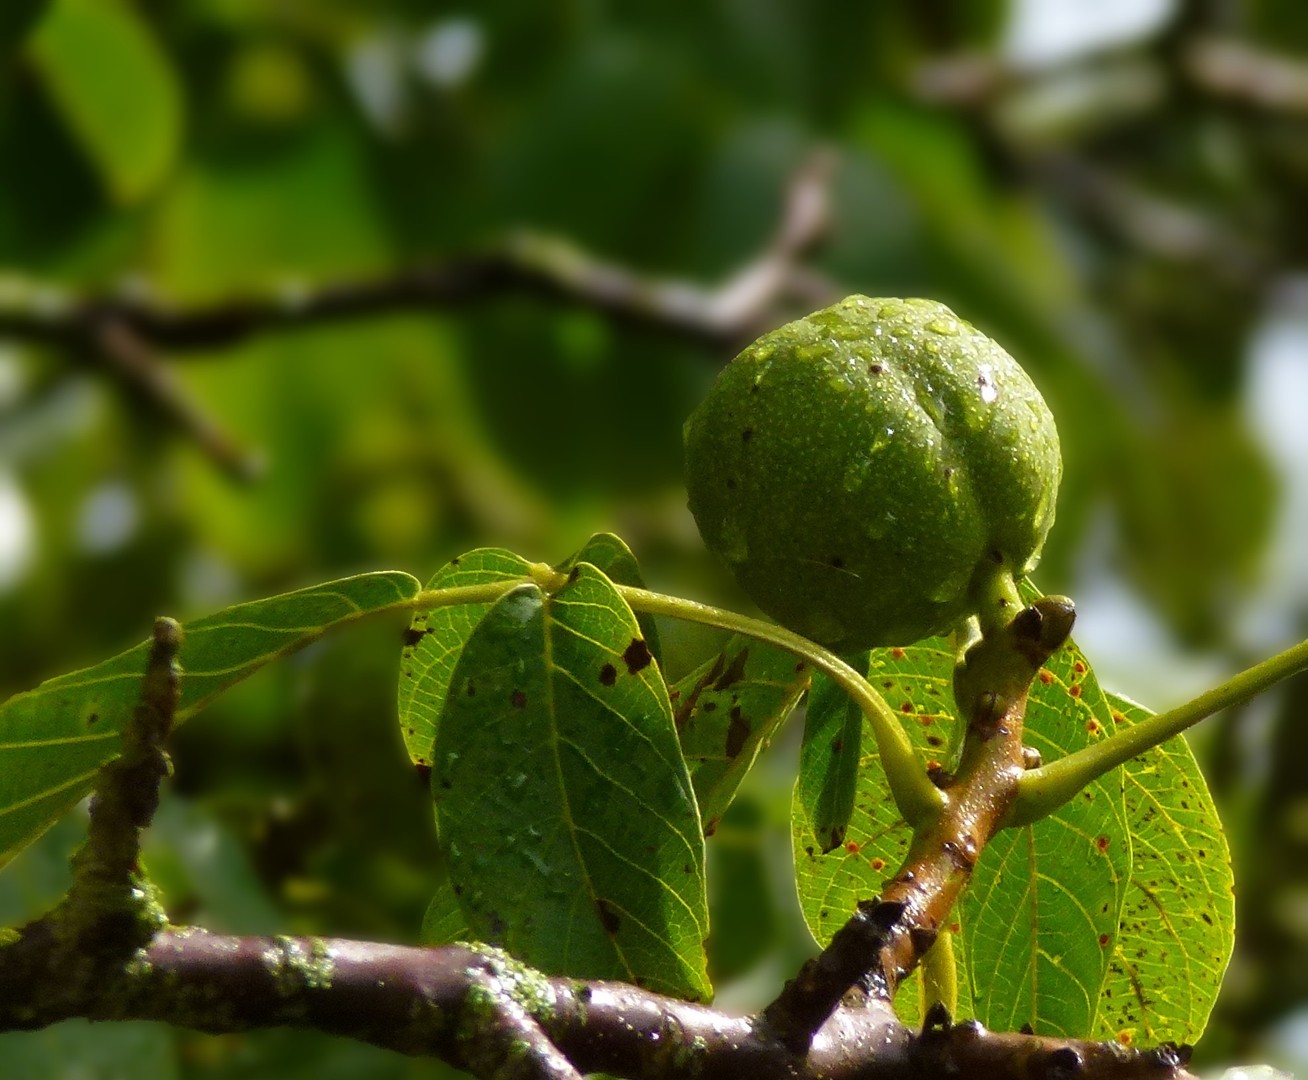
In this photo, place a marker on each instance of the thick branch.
(441, 1002)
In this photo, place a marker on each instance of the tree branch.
(523, 262)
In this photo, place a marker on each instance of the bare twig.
(127, 354)
(524, 262)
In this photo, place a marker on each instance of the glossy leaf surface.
(563, 803)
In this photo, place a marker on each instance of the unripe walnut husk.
(867, 470)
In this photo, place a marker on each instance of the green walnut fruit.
(866, 470)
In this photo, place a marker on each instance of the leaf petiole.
(1042, 791)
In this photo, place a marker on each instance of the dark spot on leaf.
(935, 740)
(1079, 667)
(852, 846)
(731, 484)
(737, 733)
(424, 772)
(472, 688)
(808, 850)
(608, 675)
(412, 635)
(458, 890)
(454, 561)
(735, 671)
(746, 435)
(710, 706)
(446, 785)
(877, 864)
(1104, 939)
(518, 700)
(907, 707)
(837, 562)
(711, 826)
(1026, 1029)
(875, 369)
(1206, 917)
(1101, 842)
(1046, 676)
(608, 918)
(800, 666)
(92, 719)
(637, 656)
(1074, 691)
(573, 574)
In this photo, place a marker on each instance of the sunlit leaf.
(610, 553)
(1178, 925)
(563, 803)
(1028, 928)
(916, 683)
(116, 89)
(436, 640)
(726, 712)
(55, 737)
(1041, 911)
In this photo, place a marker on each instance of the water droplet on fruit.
(986, 381)
(943, 326)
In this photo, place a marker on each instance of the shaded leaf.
(1178, 925)
(55, 737)
(610, 553)
(833, 736)
(444, 923)
(436, 639)
(116, 89)
(727, 710)
(563, 803)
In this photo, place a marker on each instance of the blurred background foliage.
(1112, 190)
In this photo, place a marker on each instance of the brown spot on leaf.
(877, 864)
(1046, 676)
(412, 635)
(518, 700)
(852, 846)
(424, 772)
(637, 656)
(737, 733)
(907, 707)
(898, 653)
(92, 718)
(609, 919)
(1079, 667)
(1104, 939)
(746, 435)
(1074, 691)
(608, 675)
(735, 671)
(1102, 842)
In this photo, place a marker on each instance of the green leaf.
(833, 738)
(1042, 908)
(443, 923)
(437, 639)
(1028, 928)
(1178, 925)
(563, 803)
(727, 711)
(116, 88)
(610, 553)
(916, 682)
(55, 737)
